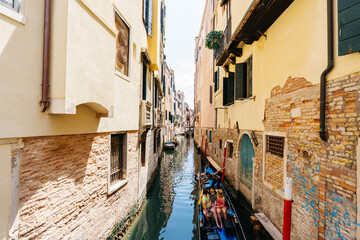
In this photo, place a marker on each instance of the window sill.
(121, 75)
(117, 186)
(242, 100)
(12, 14)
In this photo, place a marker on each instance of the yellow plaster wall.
(295, 47)
(5, 188)
(82, 68)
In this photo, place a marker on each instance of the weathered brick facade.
(63, 190)
(324, 173)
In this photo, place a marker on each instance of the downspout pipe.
(45, 102)
(330, 49)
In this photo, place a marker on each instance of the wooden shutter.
(249, 78)
(240, 83)
(149, 18)
(156, 96)
(349, 26)
(216, 81)
(231, 87)
(145, 10)
(144, 82)
(225, 91)
(211, 94)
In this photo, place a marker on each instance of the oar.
(223, 171)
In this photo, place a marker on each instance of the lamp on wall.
(253, 137)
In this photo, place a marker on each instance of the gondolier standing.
(214, 177)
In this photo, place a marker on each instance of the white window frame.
(276, 134)
(120, 184)
(15, 14)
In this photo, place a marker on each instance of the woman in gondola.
(220, 206)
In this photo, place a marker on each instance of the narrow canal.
(170, 208)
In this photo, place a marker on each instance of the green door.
(247, 154)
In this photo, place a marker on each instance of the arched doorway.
(247, 153)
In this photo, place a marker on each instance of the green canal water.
(169, 211)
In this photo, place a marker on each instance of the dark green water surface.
(170, 208)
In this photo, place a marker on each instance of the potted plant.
(213, 38)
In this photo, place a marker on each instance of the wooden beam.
(269, 226)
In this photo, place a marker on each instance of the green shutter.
(144, 82)
(240, 74)
(348, 26)
(231, 87)
(249, 77)
(225, 91)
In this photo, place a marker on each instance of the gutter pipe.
(45, 102)
(322, 131)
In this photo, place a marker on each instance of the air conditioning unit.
(145, 113)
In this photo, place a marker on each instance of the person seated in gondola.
(214, 177)
(206, 204)
(220, 206)
(213, 197)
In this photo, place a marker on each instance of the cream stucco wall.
(83, 80)
(5, 188)
(295, 47)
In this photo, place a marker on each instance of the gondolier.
(214, 177)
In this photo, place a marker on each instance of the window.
(147, 15)
(156, 102)
(216, 80)
(275, 145)
(210, 136)
(155, 142)
(122, 45)
(144, 80)
(143, 152)
(166, 116)
(118, 158)
(348, 26)
(243, 74)
(12, 4)
(228, 89)
(211, 94)
(229, 150)
(220, 144)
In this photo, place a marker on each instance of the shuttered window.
(118, 158)
(216, 80)
(231, 88)
(243, 82)
(348, 26)
(122, 45)
(225, 91)
(156, 102)
(211, 94)
(144, 80)
(240, 74)
(147, 16)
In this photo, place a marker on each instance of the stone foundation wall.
(64, 188)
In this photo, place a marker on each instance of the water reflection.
(170, 205)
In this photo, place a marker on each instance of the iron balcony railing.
(225, 39)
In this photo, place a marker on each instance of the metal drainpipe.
(330, 66)
(45, 102)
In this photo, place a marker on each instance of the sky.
(182, 25)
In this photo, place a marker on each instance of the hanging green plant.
(213, 38)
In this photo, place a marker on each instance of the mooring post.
(223, 171)
(287, 209)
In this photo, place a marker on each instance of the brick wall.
(63, 187)
(274, 171)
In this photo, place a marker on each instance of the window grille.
(275, 145)
(118, 158)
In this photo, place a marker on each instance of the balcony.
(158, 118)
(224, 41)
(145, 114)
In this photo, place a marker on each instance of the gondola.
(232, 229)
(169, 146)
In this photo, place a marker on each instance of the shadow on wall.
(61, 178)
